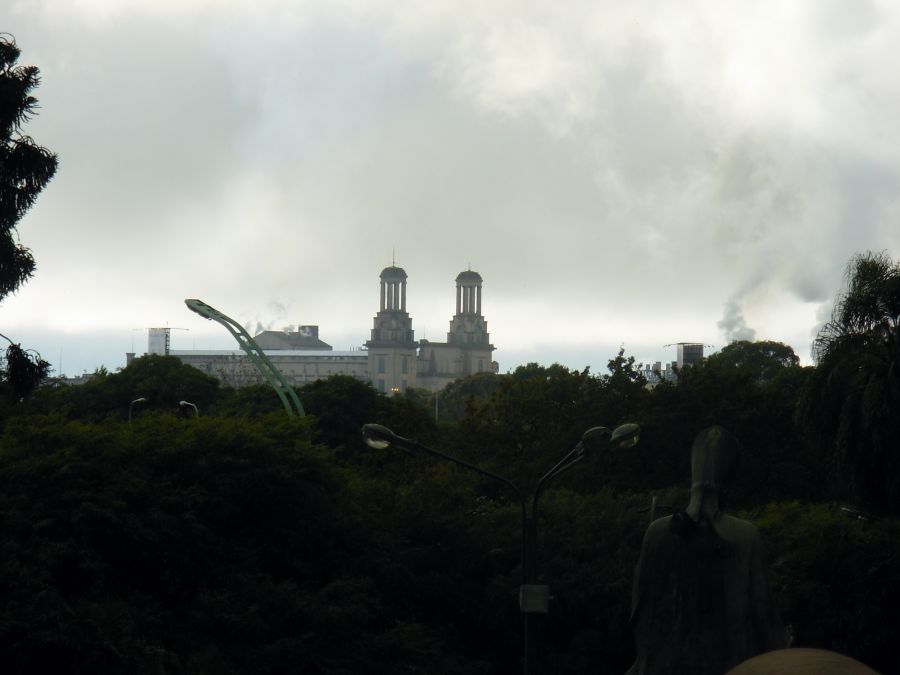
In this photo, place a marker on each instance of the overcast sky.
(634, 174)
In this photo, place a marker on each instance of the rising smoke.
(733, 324)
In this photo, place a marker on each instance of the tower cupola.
(392, 324)
(393, 289)
(468, 293)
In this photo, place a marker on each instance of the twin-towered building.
(398, 361)
(393, 360)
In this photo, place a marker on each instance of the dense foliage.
(851, 407)
(137, 537)
(247, 541)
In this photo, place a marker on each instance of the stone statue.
(701, 603)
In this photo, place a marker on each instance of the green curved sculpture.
(268, 370)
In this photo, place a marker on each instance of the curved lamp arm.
(624, 436)
(192, 405)
(256, 355)
(379, 437)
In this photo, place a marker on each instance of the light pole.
(131, 405)
(533, 598)
(188, 403)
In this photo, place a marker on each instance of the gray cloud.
(615, 174)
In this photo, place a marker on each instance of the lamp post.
(142, 399)
(188, 403)
(533, 598)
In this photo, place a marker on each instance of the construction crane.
(268, 370)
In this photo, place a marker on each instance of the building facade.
(392, 360)
(234, 369)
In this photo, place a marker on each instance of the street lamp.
(533, 598)
(131, 405)
(188, 403)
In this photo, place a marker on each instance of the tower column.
(383, 284)
(478, 306)
(403, 297)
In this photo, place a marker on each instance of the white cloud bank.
(637, 173)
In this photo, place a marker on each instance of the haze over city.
(619, 175)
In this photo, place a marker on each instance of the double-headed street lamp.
(533, 598)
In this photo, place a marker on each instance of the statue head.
(714, 458)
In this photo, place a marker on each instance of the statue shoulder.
(737, 529)
(658, 527)
(658, 534)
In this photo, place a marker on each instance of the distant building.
(687, 354)
(158, 340)
(660, 372)
(75, 380)
(392, 360)
(234, 369)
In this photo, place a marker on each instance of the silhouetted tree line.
(248, 541)
(25, 169)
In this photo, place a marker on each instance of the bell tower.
(392, 344)
(468, 329)
(468, 349)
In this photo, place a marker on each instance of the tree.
(467, 391)
(852, 405)
(162, 381)
(25, 168)
(764, 360)
(751, 389)
(24, 368)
